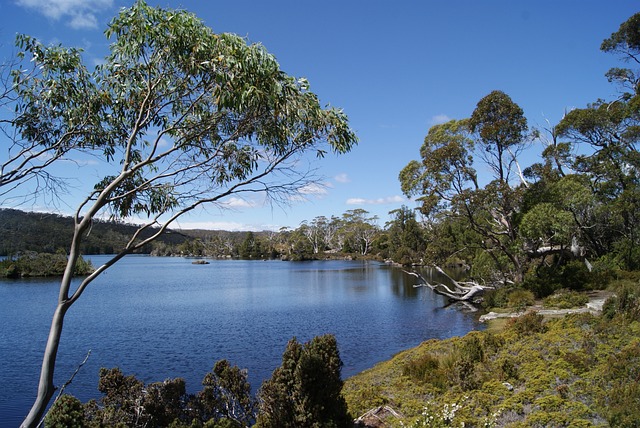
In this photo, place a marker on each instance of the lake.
(164, 317)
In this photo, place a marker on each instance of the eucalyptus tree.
(445, 171)
(447, 184)
(314, 232)
(359, 229)
(501, 132)
(181, 117)
(606, 134)
(405, 238)
(626, 43)
(41, 88)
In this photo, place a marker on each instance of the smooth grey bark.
(462, 292)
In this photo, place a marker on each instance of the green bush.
(519, 299)
(426, 369)
(529, 323)
(32, 264)
(497, 298)
(621, 374)
(305, 391)
(545, 280)
(565, 299)
(227, 394)
(625, 302)
(67, 412)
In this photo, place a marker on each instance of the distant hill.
(44, 232)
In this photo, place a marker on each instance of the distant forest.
(354, 234)
(44, 232)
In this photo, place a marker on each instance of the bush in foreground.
(305, 391)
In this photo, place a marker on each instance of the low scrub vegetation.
(565, 299)
(581, 370)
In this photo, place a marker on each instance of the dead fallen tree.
(464, 292)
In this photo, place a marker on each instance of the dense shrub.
(227, 395)
(426, 369)
(305, 391)
(621, 375)
(545, 280)
(508, 297)
(67, 412)
(565, 299)
(519, 299)
(497, 298)
(529, 323)
(625, 302)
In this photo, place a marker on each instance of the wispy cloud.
(311, 190)
(438, 119)
(225, 225)
(82, 162)
(342, 178)
(314, 189)
(78, 14)
(238, 203)
(379, 201)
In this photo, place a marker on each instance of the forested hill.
(352, 235)
(44, 232)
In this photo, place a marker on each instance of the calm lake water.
(161, 317)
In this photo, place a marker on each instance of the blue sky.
(396, 68)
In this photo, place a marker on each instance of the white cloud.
(82, 162)
(218, 225)
(316, 189)
(78, 13)
(438, 119)
(342, 178)
(380, 201)
(237, 203)
(83, 20)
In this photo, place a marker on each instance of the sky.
(395, 67)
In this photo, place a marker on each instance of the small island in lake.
(35, 264)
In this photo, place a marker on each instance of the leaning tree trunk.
(46, 388)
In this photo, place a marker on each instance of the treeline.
(354, 234)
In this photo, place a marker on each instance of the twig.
(67, 383)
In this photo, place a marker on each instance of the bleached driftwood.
(461, 291)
